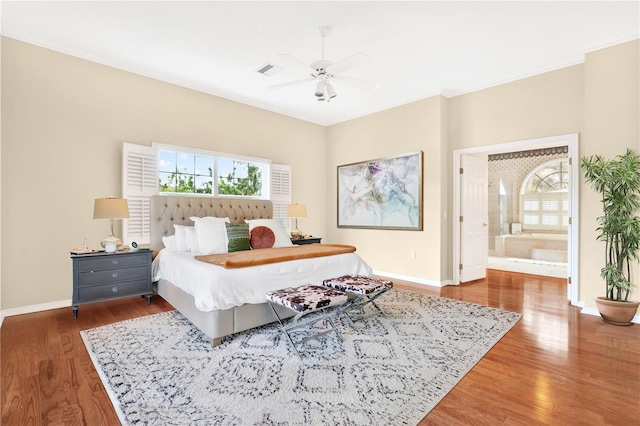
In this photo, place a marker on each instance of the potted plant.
(618, 182)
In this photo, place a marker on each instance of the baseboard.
(413, 279)
(34, 308)
(594, 312)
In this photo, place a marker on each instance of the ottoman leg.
(284, 330)
(359, 303)
(317, 301)
(328, 317)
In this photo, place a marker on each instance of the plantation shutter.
(139, 183)
(281, 192)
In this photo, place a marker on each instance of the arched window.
(544, 197)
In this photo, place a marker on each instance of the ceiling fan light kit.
(320, 89)
(331, 93)
(325, 91)
(324, 71)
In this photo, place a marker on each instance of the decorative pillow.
(262, 237)
(238, 236)
(170, 243)
(211, 234)
(276, 226)
(185, 239)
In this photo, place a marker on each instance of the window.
(211, 173)
(544, 195)
(170, 169)
(182, 172)
(240, 178)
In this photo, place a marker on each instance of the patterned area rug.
(160, 369)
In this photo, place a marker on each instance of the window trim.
(188, 150)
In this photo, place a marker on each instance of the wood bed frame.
(167, 210)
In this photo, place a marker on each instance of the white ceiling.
(416, 49)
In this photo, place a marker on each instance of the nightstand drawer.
(93, 293)
(112, 275)
(110, 262)
(309, 240)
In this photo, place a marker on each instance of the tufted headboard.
(167, 210)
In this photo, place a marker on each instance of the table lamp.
(296, 211)
(111, 208)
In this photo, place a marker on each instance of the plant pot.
(616, 313)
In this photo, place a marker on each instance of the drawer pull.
(114, 275)
(115, 289)
(114, 261)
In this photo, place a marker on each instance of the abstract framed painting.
(381, 194)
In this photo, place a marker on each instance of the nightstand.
(104, 276)
(309, 240)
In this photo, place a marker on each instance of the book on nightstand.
(81, 251)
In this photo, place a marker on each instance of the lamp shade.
(111, 208)
(297, 210)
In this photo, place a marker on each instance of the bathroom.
(529, 211)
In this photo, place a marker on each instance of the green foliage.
(249, 186)
(618, 183)
(227, 185)
(182, 182)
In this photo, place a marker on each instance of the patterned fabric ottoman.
(365, 290)
(306, 299)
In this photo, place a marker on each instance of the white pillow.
(185, 239)
(211, 234)
(276, 225)
(170, 243)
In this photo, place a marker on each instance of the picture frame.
(384, 193)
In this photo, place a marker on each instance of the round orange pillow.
(262, 237)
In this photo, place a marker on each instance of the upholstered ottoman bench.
(364, 290)
(304, 300)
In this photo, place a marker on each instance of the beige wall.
(64, 123)
(65, 118)
(544, 105)
(548, 104)
(598, 99)
(1, 316)
(612, 120)
(413, 127)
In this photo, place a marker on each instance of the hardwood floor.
(555, 367)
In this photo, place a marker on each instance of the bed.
(234, 298)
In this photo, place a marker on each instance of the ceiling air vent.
(269, 69)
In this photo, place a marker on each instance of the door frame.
(571, 140)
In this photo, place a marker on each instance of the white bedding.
(214, 287)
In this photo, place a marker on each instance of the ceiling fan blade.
(351, 62)
(357, 82)
(290, 83)
(292, 61)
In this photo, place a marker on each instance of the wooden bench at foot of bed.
(244, 258)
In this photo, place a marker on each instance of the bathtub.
(547, 247)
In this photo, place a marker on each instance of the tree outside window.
(192, 173)
(239, 178)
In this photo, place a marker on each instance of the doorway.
(549, 143)
(528, 211)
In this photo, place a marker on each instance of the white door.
(474, 248)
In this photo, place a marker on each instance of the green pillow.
(238, 236)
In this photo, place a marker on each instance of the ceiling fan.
(325, 72)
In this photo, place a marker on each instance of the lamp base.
(111, 244)
(296, 234)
